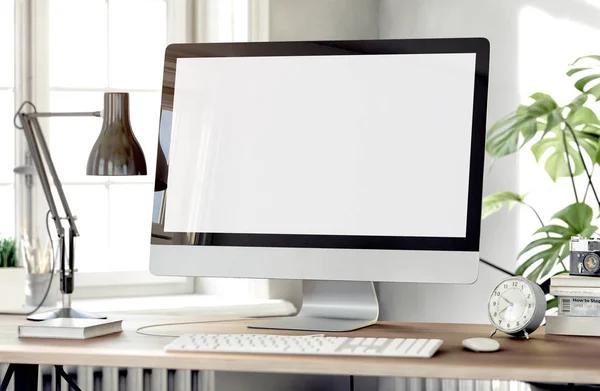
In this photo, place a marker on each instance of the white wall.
(296, 20)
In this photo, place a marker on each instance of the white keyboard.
(306, 345)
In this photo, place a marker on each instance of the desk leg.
(61, 374)
(26, 377)
(6, 381)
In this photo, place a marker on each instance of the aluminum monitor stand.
(331, 306)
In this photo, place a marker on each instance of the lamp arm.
(30, 136)
(39, 149)
(66, 114)
(39, 153)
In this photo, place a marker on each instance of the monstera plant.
(565, 139)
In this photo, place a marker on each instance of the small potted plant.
(12, 276)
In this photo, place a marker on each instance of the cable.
(496, 267)
(351, 382)
(53, 261)
(139, 329)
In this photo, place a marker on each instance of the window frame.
(187, 21)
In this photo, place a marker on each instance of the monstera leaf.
(510, 133)
(559, 144)
(544, 116)
(493, 203)
(587, 71)
(547, 252)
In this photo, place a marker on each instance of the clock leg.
(493, 333)
(526, 334)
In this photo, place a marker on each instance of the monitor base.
(331, 306)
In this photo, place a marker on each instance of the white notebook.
(70, 328)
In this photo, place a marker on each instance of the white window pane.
(240, 20)
(7, 215)
(145, 116)
(130, 226)
(90, 204)
(71, 139)
(7, 133)
(78, 43)
(137, 40)
(6, 43)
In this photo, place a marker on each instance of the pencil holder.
(35, 289)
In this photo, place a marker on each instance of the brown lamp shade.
(116, 151)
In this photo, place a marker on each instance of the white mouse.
(481, 344)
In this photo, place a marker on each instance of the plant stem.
(590, 183)
(538, 216)
(587, 187)
(564, 135)
(562, 263)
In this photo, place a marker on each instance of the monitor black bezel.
(479, 46)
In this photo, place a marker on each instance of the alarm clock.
(517, 307)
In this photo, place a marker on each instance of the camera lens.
(591, 262)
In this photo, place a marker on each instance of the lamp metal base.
(64, 313)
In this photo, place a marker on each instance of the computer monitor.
(335, 162)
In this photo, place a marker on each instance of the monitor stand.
(331, 306)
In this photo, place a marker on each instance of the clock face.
(512, 305)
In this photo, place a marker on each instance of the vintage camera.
(585, 256)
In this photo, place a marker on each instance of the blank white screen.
(341, 145)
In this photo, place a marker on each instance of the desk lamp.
(115, 153)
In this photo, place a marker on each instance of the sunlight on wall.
(548, 43)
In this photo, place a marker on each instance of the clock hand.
(506, 300)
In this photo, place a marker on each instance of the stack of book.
(578, 306)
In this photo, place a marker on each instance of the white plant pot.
(12, 288)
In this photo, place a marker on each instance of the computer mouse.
(481, 344)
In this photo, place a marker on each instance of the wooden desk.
(541, 359)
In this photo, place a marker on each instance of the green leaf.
(577, 216)
(503, 136)
(592, 56)
(595, 92)
(586, 129)
(494, 202)
(547, 252)
(543, 104)
(582, 116)
(554, 228)
(558, 161)
(512, 132)
(535, 274)
(552, 303)
(591, 129)
(578, 102)
(551, 241)
(7, 253)
(584, 81)
(573, 71)
(587, 83)
(589, 231)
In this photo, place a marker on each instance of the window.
(82, 50)
(119, 46)
(7, 218)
